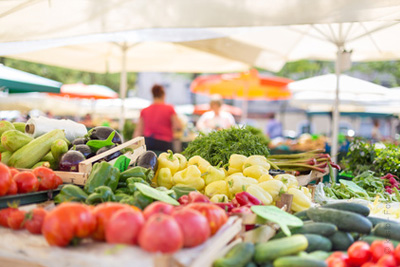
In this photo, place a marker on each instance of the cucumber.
(376, 220)
(13, 140)
(5, 157)
(347, 206)
(5, 126)
(274, 249)
(388, 230)
(296, 261)
(319, 255)
(317, 242)
(302, 215)
(310, 227)
(344, 220)
(30, 154)
(341, 241)
(19, 126)
(251, 264)
(371, 238)
(58, 148)
(240, 255)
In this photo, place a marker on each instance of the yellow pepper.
(219, 198)
(300, 200)
(288, 179)
(259, 193)
(214, 174)
(201, 163)
(217, 187)
(164, 178)
(191, 177)
(256, 160)
(255, 171)
(182, 161)
(167, 160)
(306, 191)
(236, 163)
(264, 178)
(238, 183)
(273, 187)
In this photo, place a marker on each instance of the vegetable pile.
(220, 145)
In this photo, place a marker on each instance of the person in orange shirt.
(158, 122)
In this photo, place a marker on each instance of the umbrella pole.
(245, 103)
(123, 85)
(336, 115)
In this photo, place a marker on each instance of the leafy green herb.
(220, 145)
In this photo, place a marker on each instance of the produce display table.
(20, 248)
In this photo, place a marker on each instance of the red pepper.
(197, 197)
(245, 210)
(183, 200)
(245, 198)
(226, 206)
(334, 165)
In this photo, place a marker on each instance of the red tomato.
(359, 253)
(195, 196)
(124, 227)
(161, 233)
(26, 182)
(67, 221)
(34, 220)
(13, 171)
(337, 259)
(59, 181)
(16, 219)
(5, 179)
(4, 213)
(46, 177)
(215, 215)
(387, 260)
(157, 207)
(194, 226)
(103, 213)
(13, 189)
(380, 248)
(397, 254)
(370, 264)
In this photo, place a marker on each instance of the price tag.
(122, 163)
(278, 216)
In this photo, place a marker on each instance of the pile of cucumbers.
(332, 227)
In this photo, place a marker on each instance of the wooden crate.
(20, 248)
(79, 178)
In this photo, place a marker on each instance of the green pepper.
(120, 196)
(182, 190)
(101, 194)
(102, 173)
(140, 172)
(123, 190)
(70, 192)
(141, 201)
(130, 200)
(131, 183)
(170, 192)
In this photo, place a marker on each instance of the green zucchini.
(302, 215)
(2, 149)
(6, 126)
(13, 140)
(274, 249)
(41, 164)
(317, 242)
(344, 220)
(30, 154)
(20, 126)
(351, 207)
(341, 241)
(389, 230)
(376, 220)
(296, 261)
(58, 148)
(5, 157)
(239, 255)
(371, 238)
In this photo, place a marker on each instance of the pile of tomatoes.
(161, 227)
(381, 253)
(14, 182)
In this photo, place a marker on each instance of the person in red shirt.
(158, 122)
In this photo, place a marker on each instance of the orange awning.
(80, 90)
(246, 85)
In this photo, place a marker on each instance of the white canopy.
(23, 20)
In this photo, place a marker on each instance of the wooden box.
(79, 178)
